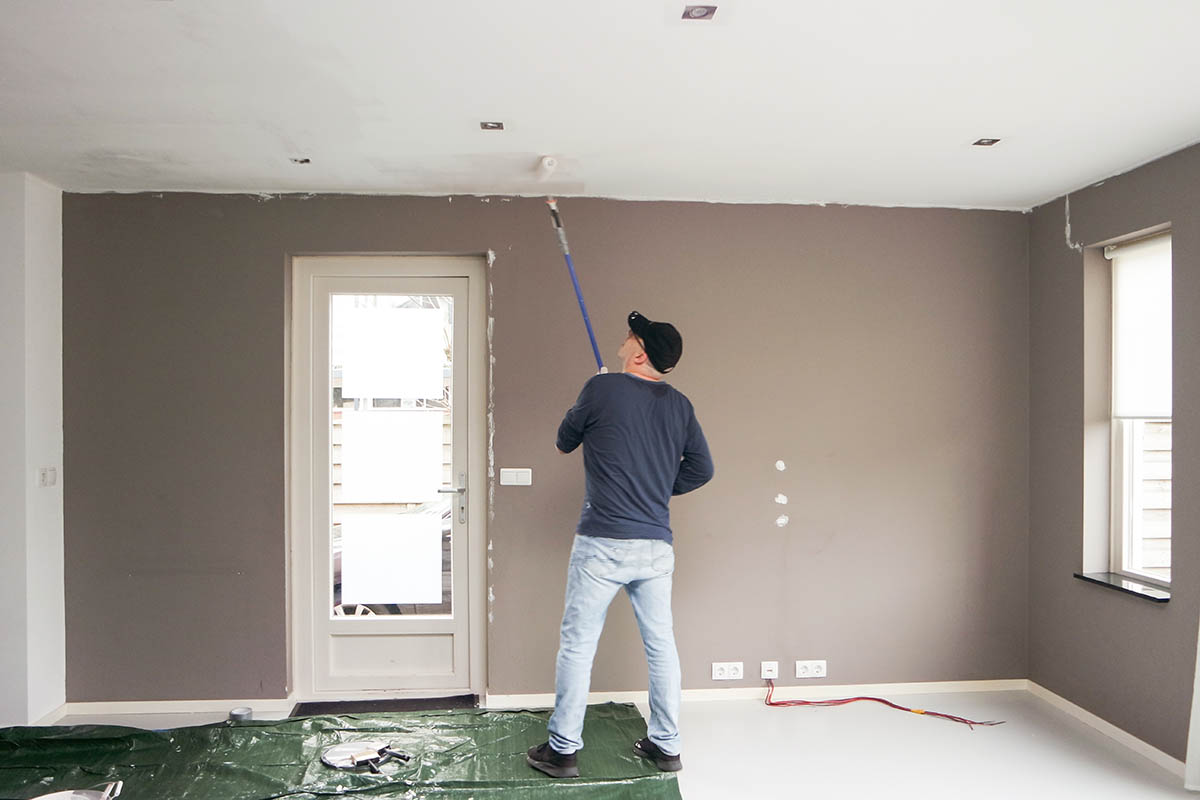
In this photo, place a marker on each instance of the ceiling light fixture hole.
(699, 12)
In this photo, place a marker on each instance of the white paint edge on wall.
(1167, 762)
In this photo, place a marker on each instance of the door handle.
(461, 491)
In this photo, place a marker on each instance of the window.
(1141, 409)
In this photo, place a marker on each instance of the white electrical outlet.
(726, 670)
(810, 669)
(770, 670)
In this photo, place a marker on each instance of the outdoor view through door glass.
(391, 393)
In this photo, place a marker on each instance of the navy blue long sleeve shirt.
(641, 445)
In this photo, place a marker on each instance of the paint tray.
(455, 754)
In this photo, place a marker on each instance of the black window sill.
(1110, 580)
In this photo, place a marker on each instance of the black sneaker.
(648, 749)
(553, 763)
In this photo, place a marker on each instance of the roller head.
(545, 167)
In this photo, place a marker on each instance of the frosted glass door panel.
(391, 459)
(391, 456)
(391, 559)
(365, 344)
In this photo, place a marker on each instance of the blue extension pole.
(562, 240)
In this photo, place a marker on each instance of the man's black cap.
(662, 342)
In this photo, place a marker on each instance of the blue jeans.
(599, 568)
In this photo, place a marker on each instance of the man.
(642, 444)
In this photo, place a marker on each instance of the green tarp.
(460, 754)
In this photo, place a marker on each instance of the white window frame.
(1126, 497)
(1125, 477)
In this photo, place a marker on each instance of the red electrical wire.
(843, 701)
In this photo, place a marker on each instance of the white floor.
(743, 749)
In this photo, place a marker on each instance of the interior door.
(386, 544)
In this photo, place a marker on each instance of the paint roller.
(545, 167)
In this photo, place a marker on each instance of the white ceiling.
(790, 101)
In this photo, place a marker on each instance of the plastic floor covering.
(458, 753)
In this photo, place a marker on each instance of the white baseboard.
(52, 717)
(1167, 762)
(817, 692)
(269, 708)
(281, 707)
(263, 708)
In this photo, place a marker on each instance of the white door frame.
(305, 269)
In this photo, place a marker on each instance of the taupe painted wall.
(1125, 659)
(882, 353)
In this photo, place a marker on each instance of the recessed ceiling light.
(699, 12)
(985, 142)
(492, 126)
(301, 160)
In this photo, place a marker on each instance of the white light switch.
(516, 477)
(47, 477)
